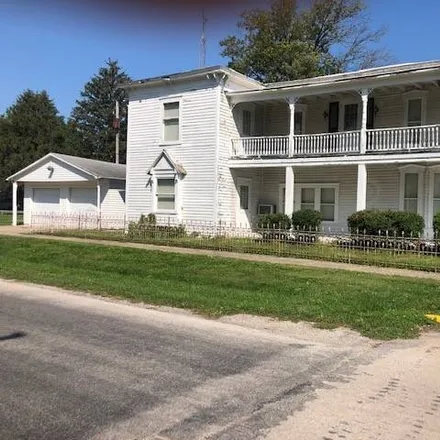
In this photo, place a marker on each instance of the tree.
(288, 42)
(30, 128)
(94, 113)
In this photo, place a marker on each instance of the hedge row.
(374, 222)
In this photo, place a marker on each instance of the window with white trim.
(166, 194)
(319, 197)
(436, 201)
(171, 121)
(411, 192)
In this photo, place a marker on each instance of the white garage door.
(83, 199)
(46, 200)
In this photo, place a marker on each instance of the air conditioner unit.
(266, 209)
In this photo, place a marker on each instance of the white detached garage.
(62, 184)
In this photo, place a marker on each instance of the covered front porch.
(337, 191)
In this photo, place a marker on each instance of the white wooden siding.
(383, 187)
(61, 173)
(196, 151)
(227, 198)
(112, 198)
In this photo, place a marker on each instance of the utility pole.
(203, 40)
(117, 126)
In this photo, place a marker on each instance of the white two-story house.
(212, 145)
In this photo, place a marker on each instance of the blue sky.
(59, 48)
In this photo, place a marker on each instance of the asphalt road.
(77, 367)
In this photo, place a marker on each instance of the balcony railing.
(260, 146)
(403, 139)
(326, 143)
(343, 143)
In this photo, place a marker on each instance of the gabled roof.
(192, 74)
(175, 165)
(97, 169)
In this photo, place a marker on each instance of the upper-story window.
(350, 117)
(299, 122)
(415, 108)
(414, 112)
(171, 121)
(247, 123)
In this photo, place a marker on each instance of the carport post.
(98, 201)
(14, 203)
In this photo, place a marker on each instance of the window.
(166, 194)
(308, 198)
(414, 112)
(320, 197)
(328, 200)
(171, 121)
(350, 117)
(244, 196)
(411, 191)
(299, 123)
(247, 123)
(436, 204)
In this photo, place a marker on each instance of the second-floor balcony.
(385, 140)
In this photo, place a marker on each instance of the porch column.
(14, 203)
(290, 191)
(291, 101)
(98, 198)
(364, 95)
(361, 197)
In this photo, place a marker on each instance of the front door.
(244, 211)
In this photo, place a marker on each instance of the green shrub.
(147, 227)
(274, 221)
(436, 223)
(376, 222)
(306, 220)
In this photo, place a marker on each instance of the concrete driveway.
(79, 367)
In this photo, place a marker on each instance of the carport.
(62, 184)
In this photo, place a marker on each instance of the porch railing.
(404, 138)
(348, 142)
(326, 143)
(260, 146)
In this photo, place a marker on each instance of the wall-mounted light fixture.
(325, 114)
(376, 109)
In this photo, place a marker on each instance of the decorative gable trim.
(176, 166)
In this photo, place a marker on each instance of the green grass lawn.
(6, 218)
(377, 306)
(317, 251)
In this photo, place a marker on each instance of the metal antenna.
(203, 40)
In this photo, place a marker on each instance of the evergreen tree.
(93, 115)
(30, 128)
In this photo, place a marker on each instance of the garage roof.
(95, 168)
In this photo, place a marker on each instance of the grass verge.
(377, 306)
